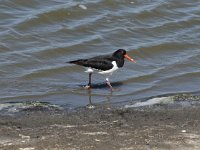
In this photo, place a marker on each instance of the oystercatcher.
(105, 64)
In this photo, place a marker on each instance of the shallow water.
(38, 37)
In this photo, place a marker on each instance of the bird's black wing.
(100, 64)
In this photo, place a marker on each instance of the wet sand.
(103, 127)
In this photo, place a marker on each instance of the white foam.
(82, 6)
(153, 101)
(95, 133)
(10, 106)
(16, 107)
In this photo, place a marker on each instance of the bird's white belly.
(110, 71)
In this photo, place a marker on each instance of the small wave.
(153, 101)
(45, 72)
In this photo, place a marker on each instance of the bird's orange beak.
(129, 58)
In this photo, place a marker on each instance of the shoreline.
(102, 127)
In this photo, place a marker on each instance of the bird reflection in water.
(107, 98)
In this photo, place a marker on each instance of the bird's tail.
(77, 62)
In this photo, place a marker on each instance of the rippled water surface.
(38, 37)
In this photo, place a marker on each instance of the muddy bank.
(102, 127)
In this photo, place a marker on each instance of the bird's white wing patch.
(110, 71)
(89, 70)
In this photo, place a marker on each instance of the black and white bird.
(105, 64)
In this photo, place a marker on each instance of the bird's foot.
(87, 87)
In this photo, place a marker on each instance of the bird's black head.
(119, 57)
(119, 54)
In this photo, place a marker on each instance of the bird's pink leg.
(89, 84)
(108, 83)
